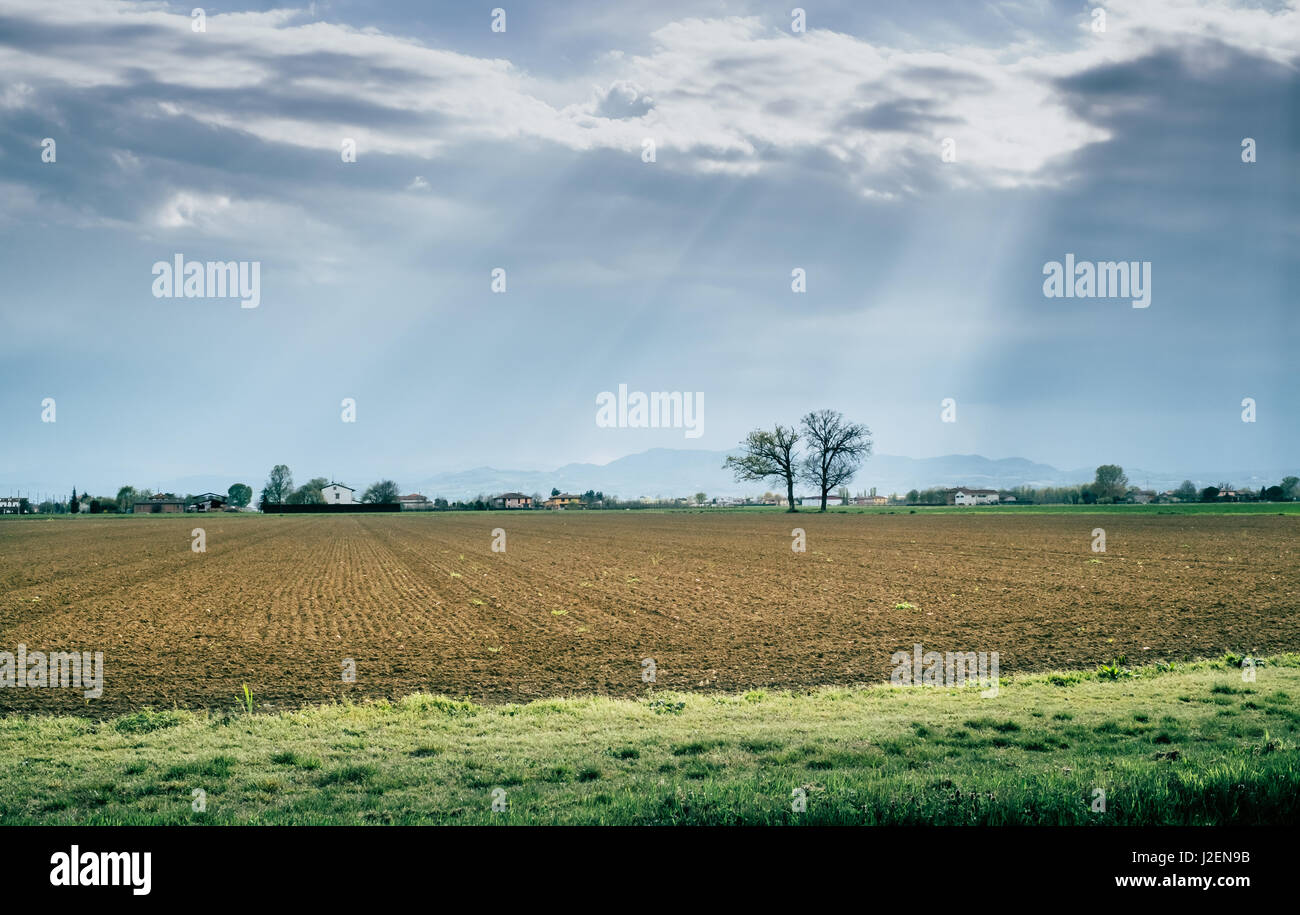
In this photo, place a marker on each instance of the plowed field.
(420, 602)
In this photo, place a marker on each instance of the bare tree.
(837, 449)
(382, 492)
(768, 455)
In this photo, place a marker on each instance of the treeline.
(1287, 491)
(592, 500)
(279, 490)
(1083, 494)
(238, 495)
(1112, 486)
(599, 502)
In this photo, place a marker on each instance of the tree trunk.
(789, 491)
(824, 500)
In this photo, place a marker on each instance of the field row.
(577, 602)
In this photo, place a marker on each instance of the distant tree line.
(1111, 485)
(279, 490)
(835, 449)
(238, 495)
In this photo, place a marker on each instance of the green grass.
(1169, 744)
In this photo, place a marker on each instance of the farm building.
(337, 494)
(817, 500)
(415, 502)
(207, 502)
(871, 500)
(512, 500)
(158, 506)
(964, 496)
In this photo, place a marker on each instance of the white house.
(337, 494)
(965, 496)
(817, 500)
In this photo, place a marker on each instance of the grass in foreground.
(1173, 744)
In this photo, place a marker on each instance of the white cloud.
(185, 210)
(721, 95)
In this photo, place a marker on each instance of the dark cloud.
(673, 277)
(907, 115)
(948, 78)
(38, 37)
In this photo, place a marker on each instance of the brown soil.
(719, 601)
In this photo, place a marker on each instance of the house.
(965, 496)
(158, 506)
(414, 502)
(1143, 496)
(563, 500)
(337, 494)
(817, 500)
(10, 505)
(512, 500)
(871, 500)
(207, 502)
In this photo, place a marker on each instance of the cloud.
(906, 115)
(726, 95)
(185, 210)
(622, 100)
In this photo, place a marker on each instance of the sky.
(920, 162)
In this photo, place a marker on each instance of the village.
(337, 497)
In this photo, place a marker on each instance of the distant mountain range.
(670, 472)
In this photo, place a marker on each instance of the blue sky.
(523, 150)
